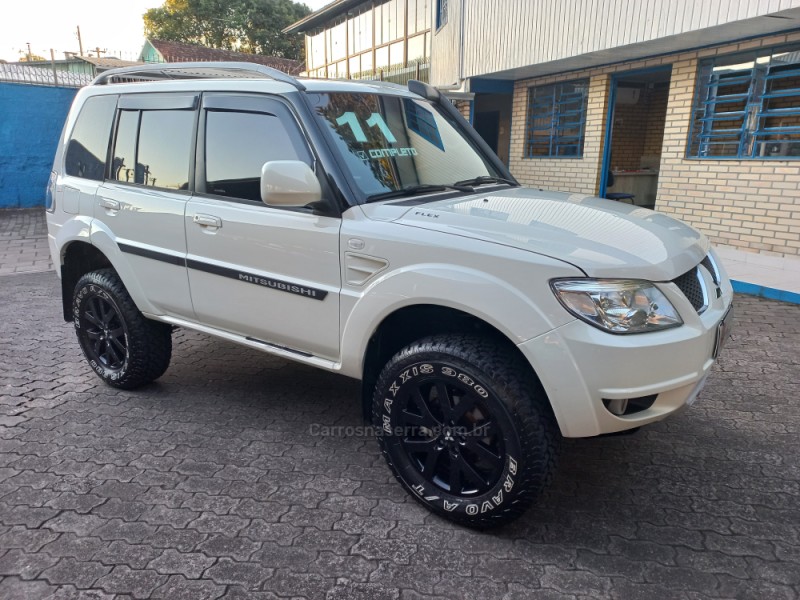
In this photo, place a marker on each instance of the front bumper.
(580, 367)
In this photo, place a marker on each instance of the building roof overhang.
(742, 30)
(322, 16)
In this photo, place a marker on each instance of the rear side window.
(165, 141)
(153, 148)
(88, 143)
(123, 165)
(237, 146)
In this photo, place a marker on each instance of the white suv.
(366, 229)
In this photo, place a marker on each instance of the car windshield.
(394, 143)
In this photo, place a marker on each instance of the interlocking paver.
(118, 552)
(14, 588)
(237, 548)
(25, 565)
(209, 484)
(23, 241)
(79, 547)
(137, 583)
(191, 565)
(248, 574)
(81, 574)
(180, 588)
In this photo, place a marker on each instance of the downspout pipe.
(461, 43)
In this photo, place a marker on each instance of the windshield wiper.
(486, 179)
(413, 190)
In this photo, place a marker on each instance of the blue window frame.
(556, 120)
(747, 106)
(441, 13)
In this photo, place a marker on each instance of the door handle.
(109, 204)
(207, 221)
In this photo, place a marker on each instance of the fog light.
(617, 407)
(628, 406)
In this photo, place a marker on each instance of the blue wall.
(31, 118)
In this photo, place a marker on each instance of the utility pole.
(80, 42)
(98, 51)
(53, 63)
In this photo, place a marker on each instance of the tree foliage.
(31, 57)
(252, 26)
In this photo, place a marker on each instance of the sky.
(113, 25)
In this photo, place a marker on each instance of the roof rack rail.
(195, 70)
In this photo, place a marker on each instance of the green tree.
(32, 57)
(252, 26)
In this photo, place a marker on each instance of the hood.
(604, 238)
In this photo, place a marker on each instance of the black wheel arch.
(78, 258)
(411, 323)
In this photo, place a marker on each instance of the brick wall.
(31, 119)
(751, 205)
(567, 174)
(627, 144)
(463, 107)
(656, 120)
(639, 130)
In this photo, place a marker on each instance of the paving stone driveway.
(211, 483)
(23, 242)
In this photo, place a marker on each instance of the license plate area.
(724, 328)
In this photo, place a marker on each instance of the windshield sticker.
(422, 122)
(376, 153)
(375, 120)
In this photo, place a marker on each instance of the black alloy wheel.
(466, 428)
(125, 349)
(104, 333)
(451, 436)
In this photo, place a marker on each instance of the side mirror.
(289, 183)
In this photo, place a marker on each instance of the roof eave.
(324, 14)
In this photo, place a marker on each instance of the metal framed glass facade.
(747, 106)
(373, 37)
(556, 120)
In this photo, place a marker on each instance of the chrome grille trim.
(693, 286)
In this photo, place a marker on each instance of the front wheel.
(466, 428)
(125, 349)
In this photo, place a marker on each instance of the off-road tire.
(140, 350)
(493, 379)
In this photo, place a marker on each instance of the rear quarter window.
(88, 143)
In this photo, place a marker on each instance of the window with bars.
(556, 120)
(747, 106)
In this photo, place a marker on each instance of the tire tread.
(149, 342)
(523, 396)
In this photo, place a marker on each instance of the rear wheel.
(466, 428)
(125, 349)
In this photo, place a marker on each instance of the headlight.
(617, 305)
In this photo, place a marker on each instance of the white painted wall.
(525, 38)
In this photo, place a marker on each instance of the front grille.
(691, 284)
(712, 268)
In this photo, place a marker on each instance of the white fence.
(42, 76)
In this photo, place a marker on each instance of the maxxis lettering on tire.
(122, 347)
(465, 428)
(427, 369)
